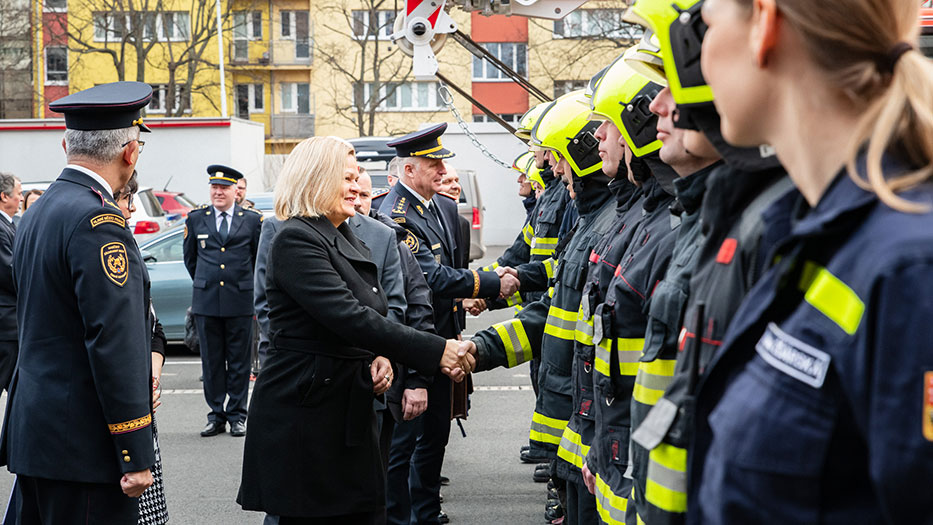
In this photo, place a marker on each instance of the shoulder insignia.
(262, 218)
(113, 258)
(108, 218)
(129, 426)
(104, 201)
(400, 220)
(254, 210)
(399, 206)
(449, 196)
(928, 406)
(239, 214)
(201, 207)
(412, 242)
(419, 208)
(380, 193)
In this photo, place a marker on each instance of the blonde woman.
(818, 406)
(311, 454)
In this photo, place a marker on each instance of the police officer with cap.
(220, 254)
(433, 238)
(77, 430)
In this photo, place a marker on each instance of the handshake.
(459, 359)
(508, 281)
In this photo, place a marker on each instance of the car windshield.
(182, 199)
(263, 201)
(168, 248)
(150, 203)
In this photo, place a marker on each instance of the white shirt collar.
(219, 211)
(8, 218)
(426, 202)
(91, 174)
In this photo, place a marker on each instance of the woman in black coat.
(311, 454)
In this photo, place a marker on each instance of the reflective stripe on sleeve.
(550, 266)
(560, 323)
(652, 379)
(546, 429)
(514, 300)
(629, 351)
(543, 245)
(611, 507)
(667, 478)
(491, 268)
(528, 234)
(572, 450)
(515, 340)
(832, 297)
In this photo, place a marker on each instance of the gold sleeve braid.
(129, 426)
(475, 283)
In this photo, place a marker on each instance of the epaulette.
(104, 201)
(254, 210)
(199, 208)
(400, 206)
(449, 196)
(380, 193)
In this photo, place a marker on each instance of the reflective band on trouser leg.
(572, 450)
(543, 245)
(528, 234)
(546, 429)
(584, 330)
(611, 507)
(629, 351)
(560, 323)
(832, 297)
(667, 478)
(652, 380)
(491, 268)
(515, 340)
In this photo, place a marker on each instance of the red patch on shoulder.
(727, 251)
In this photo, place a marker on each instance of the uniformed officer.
(77, 430)
(431, 221)
(220, 254)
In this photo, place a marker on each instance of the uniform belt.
(319, 347)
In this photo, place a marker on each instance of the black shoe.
(442, 517)
(553, 512)
(542, 473)
(238, 429)
(440, 497)
(529, 456)
(214, 428)
(445, 481)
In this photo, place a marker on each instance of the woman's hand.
(156, 393)
(457, 360)
(381, 370)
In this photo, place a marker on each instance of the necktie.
(224, 226)
(433, 209)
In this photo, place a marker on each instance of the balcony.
(292, 126)
(291, 54)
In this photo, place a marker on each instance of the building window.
(562, 87)
(295, 27)
(508, 117)
(110, 27)
(296, 97)
(157, 104)
(363, 25)
(598, 23)
(249, 100)
(247, 25)
(55, 5)
(512, 55)
(56, 65)
(401, 96)
(172, 26)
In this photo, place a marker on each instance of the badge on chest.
(202, 239)
(793, 357)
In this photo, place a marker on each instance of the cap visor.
(443, 153)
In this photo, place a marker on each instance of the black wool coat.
(312, 447)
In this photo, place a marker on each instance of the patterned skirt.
(152, 509)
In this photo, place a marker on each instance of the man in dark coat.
(220, 254)
(77, 430)
(431, 221)
(11, 196)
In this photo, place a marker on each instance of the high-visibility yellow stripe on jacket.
(543, 245)
(546, 429)
(560, 323)
(611, 507)
(628, 350)
(550, 266)
(652, 379)
(528, 234)
(832, 297)
(514, 300)
(572, 450)
(584, 330)
(515, 341)
(667, 478)
(491, 268)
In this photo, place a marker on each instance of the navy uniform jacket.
(436, 252)
(222, 273)
(817, 408)
(80, 400)
(7, 287)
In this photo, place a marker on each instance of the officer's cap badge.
(116, 264)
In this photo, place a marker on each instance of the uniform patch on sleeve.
(412, 242)
(793, 357)
(108, 218)
(400, 220)
(116, 264)
(928, 406)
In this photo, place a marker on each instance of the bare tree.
(15, 59)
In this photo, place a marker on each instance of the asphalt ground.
(489, 485)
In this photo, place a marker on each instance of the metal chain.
(448, 99)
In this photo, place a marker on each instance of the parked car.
(149, 218)
(175, 202)
(373, 154)
(171, 284)
(264, 202)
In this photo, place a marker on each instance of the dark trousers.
(581, 505)
(8, 352)
(48, 501)
(225, 362)
(360, 518)
(415, 460)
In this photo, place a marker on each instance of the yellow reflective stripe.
(584, 332)
(518, 308)
(543, 245)
(515, 340)
(550, 292)
(611, 507)
(832, 297)
(629, 350)
(560, 323)
(528, 233)
(652, 379)
(667, 478)
(546, 429)
(550, 265)
(491, 268)
(572, 450)
(514, 300)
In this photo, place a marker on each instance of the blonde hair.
(852, 41)
(310, 180)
